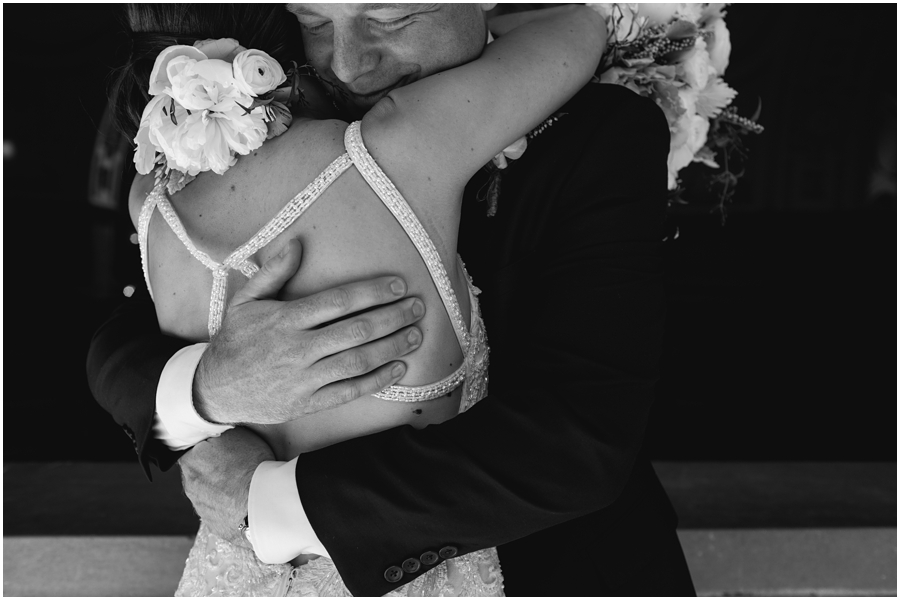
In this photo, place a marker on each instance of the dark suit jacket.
(574, 309)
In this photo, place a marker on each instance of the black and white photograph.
(504, 299)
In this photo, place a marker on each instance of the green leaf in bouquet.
(680, 30)
(290, 92)
(282, 94)
(263, 100)
(279, 120)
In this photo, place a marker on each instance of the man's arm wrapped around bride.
(385, 484)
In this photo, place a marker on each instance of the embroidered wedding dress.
(214, 566)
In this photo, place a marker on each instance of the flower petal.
(515, 150)
(159, 79)
(221, 49)
(145, 150)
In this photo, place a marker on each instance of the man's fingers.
(272, 276)
(367, 327)
(322, 308)
(358, 361)
(348, 390)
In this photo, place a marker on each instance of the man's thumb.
(269, 280)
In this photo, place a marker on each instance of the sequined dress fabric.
(216, 567)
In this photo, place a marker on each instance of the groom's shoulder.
(614, 107)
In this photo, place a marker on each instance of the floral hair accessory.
(211, 102)
(676, 54)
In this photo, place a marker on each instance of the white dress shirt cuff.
(279, 530)
(177, 423)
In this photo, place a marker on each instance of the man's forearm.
(126, 357)
(217, 474)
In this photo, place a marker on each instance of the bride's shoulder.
(274, 171)
(141, 186)
(307, 139)
(290, 161)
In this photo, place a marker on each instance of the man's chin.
(357, 107)
(360, 104)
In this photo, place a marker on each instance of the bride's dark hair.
(153, 27)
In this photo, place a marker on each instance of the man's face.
(366, 50)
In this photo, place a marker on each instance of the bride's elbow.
(593, 35)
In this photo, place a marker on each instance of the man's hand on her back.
(274, 361)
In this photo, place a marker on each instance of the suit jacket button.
(411, 565)
(429, 558)
(448, 552)
(393, 574)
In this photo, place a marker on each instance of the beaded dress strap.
(143, 228)
(291, 211)
(394, 201)
(401, 210)
(157, 199)
(237, 259)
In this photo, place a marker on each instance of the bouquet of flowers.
(211, 102)
(677, 54)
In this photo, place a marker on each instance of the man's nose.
(354, 55)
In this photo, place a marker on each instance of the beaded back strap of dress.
(239, 258)
(394, 201)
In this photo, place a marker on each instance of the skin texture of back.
(346, 234)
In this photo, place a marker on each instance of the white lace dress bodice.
(216, 567)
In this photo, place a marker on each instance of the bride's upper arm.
(454, 122)
(140, 187)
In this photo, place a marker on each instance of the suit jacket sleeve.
(574, 312)
(125, 360)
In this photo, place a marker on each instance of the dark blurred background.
(781, 335)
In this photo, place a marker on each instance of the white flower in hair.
(257, 73)
(211, 103)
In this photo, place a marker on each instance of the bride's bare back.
(347, 235)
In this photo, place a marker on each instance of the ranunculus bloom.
(197, 117)
(222, 49)
(719, 45)
(208, 140)
(256, 73)
(197, 141)
(205, 85)
(159, 78)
